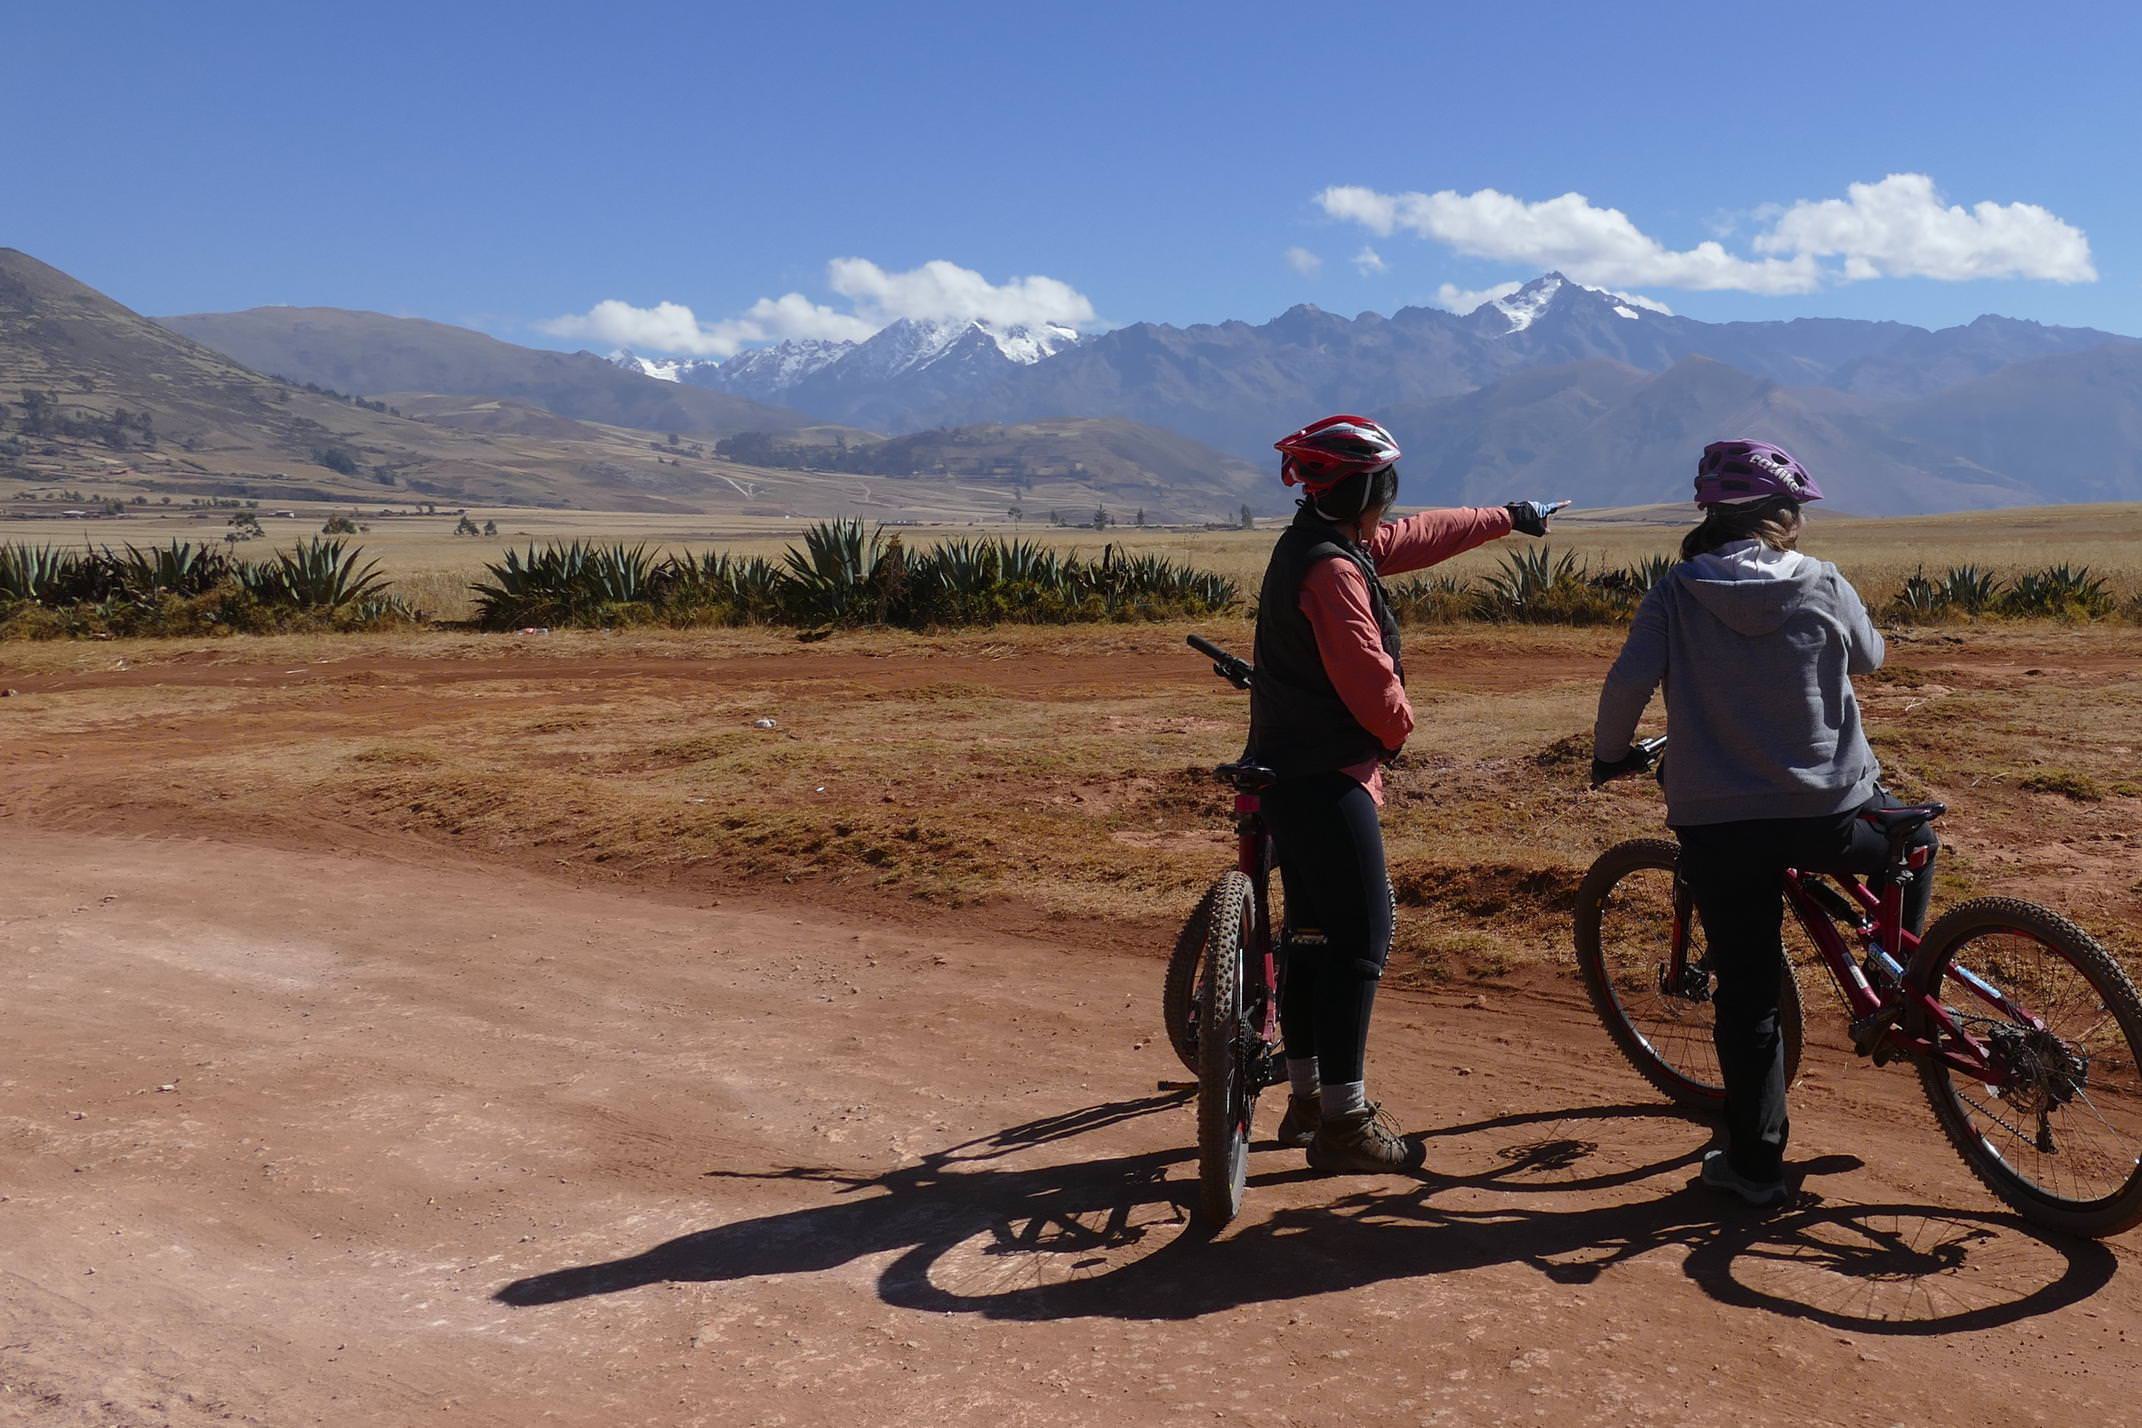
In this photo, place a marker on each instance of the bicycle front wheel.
(1627, 909)
(2059, 1137)
(1226, 1099)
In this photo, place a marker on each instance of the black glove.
(1635, 761)
(1530, 517)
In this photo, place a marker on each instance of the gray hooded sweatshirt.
(1756, 648)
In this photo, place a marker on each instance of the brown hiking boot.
(1298, 1126)
(1365, 1142)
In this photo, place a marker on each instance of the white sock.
(1344, 1097)
(1302, 1076)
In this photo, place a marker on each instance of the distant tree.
(163, 501)
(1015, 513)
(339, 525)
(1247, 520)
(139, 500)
(339, 459)
(243, 526)
(1141, 517)
(1100, 518)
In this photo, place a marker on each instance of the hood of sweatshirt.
(1750, 587)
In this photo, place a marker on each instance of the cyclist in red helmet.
(1328, 709)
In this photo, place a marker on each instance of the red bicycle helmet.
(1324, 453)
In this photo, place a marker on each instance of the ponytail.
(1775, 522)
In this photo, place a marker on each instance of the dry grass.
(1023, 775)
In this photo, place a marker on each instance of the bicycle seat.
(1246, 776)
(1903, 822)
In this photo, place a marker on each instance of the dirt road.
(296, 1137)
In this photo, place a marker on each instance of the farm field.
(463, 1028)
(430, 564)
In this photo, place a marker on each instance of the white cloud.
(1368, 262)
(1463, 300)
(1898, 227)
(1302, 261)
(1639, 300)
(935, 291)
(1590, 244)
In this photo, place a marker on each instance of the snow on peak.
(1027, 345)
(789, 361)
(661, 371)
(1622, 310)
(1524, 306)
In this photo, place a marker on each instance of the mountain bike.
(2025, 1033)
(1220, 1001)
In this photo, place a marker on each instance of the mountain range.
(1591, 393)
(361, 408)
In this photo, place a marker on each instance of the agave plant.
(843, 575)
(2060, 591)
(1525, 580)
(180, 568)
(324, 574)
(1969, 589)
(47, 575)
(1918, 599)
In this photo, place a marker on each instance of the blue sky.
(511, 167)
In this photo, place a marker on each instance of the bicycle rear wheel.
(1226, 1097)
(2060, 1140)
(1626, 914)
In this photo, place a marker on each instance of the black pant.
(1331, 863)
(1733, 871)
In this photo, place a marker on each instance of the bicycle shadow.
(1114, 1237)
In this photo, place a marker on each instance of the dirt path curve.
(290, 1137)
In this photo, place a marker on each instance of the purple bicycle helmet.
(1733, 473)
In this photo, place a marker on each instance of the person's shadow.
(1114, 1238)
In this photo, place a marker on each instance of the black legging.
(1733, 871)
(1331, 863)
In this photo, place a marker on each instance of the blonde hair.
(1775, 522)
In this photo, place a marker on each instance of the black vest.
(1298, 723)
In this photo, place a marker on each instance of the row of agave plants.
(1534, 585)
(2058, 592)
(1540, 587)
(190, 588)
(842, 574)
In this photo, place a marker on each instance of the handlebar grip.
(1207, 648)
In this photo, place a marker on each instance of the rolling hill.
(370, 353)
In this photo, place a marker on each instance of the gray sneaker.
(1304, 1114)
(1719, 1174)
(1365, 1142)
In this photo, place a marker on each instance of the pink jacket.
(1335, 600)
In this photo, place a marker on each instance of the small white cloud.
(1900, 228)
(935, 291)
(1302, 261)
(1463, 300)
(1368, 262)
(1896, 228)
(1639, 300)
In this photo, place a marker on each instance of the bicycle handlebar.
(1235, 671)
(1654, 754)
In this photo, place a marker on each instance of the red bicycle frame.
(1904, 1015)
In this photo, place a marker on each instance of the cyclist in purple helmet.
(1769, 769)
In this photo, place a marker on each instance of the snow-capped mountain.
(887, 378)
(662, 370)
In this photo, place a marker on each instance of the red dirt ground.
(452, 1144)
(382, 1134)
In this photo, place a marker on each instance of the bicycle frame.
(1905, 1010)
